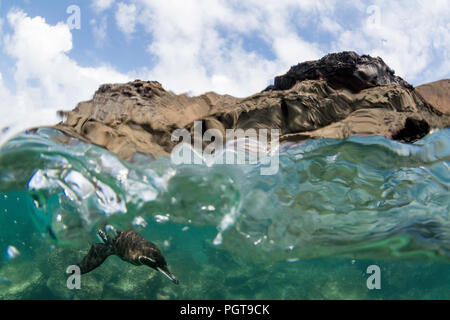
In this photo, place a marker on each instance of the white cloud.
(102, 5)
(291, 49)
(46, 79)
(99, 30)
(126, 17)
(412, 37)
(330, 25)
(201, 45)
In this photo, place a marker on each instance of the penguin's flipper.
(108, 234)
(95, 257)
(102, 234)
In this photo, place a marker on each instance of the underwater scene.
(334, 211)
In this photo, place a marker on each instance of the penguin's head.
(155, 260)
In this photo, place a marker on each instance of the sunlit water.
(310, 231)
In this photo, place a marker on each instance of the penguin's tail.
(95, 257)
(99, 251)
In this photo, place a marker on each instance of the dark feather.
(95, 257)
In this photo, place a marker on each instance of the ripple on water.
(370, 196)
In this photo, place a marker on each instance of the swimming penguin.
(129, 246)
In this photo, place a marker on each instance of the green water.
(308, 232)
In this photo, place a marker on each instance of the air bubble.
(12, 252)
(139, 222)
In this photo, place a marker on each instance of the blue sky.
(116, 49)
(194, 46)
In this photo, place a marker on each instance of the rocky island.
(341, 95)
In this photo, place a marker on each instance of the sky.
(56, 53)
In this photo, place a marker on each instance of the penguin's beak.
(168, 274)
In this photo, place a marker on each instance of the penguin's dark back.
(130, 245)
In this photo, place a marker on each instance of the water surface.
(334, 208)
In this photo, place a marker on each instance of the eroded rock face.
(338, 96)
(138, 116)
(437, 93)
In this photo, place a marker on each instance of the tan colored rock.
(340, 95)
(437, 93)
(365, 122)
(137, 117)
(141, 116)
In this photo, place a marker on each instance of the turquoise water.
(310, 231)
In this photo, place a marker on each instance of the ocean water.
(310, 231)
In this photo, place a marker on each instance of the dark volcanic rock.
(414, 130)
(342, 70)
(336, 97)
